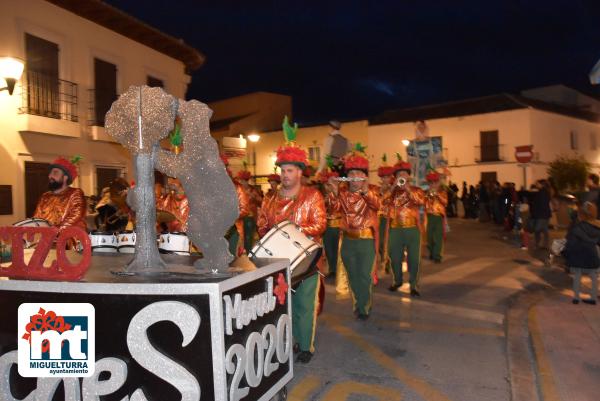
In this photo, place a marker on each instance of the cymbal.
(162, 216)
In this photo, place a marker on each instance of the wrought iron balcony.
(48, 96)
(489, 154)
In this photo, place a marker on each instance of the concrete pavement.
(463, 339)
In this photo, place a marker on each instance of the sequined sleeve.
(75, 210)
(262, 221)
(442, 197)
(243, 200)
(316, 221)
(417, 196)
(372, 199)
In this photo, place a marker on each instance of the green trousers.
(304, 313)
(408, 239)
(331, 240)
(249, 232)
(358, 256)
(435, 236)
(233, 241)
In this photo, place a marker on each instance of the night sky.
(355, 59)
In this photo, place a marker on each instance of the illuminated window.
(574, 141)
(314, 153)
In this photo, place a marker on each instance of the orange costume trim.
(359, 212)
(403, 207)
(62, 210)
(436, 202)
(177, 205)
(307, 210)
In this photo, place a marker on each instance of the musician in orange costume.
(435, 207)
(235, 234)
(62, 206)
(176, 203)
(274, 181)
(358, 203)
(404, 227)
(305, 207)
(255, 197)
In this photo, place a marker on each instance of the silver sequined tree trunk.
(146, 256)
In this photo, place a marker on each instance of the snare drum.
(285, 240)
(103, 241)
(126, 242)
(32, 222)
(176, 243)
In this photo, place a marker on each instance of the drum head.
(307, 266)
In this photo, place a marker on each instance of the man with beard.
(305, 207)
(62, 206)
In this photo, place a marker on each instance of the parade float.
(164, 327)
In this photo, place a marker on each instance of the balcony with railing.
(48, 96)
(48, 105)
(490, 153)
(99, 102)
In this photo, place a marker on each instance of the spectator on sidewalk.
(593, 192)
(541, 213)
(581, 250)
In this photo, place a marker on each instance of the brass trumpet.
(401, 182)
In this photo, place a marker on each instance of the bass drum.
(32, 222)
(176, 243)
(103, 242)
(126, 242)
(285, 240)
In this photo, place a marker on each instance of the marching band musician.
(405, 232)
(358, 203)
(435, 207)
(274, 181)
(235, 235)
(255, 198)
(386, 174)
(331, 238)
(305, 207)
(62, 206)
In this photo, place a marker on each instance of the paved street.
(467, 338)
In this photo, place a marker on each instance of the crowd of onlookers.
(530, 213)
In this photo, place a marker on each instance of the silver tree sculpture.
(139, 119)
(211, 195)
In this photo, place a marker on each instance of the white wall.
(79, 41)
(460, 137)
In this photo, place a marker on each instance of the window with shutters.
(314, 154)
(574, 140)
(154, 82)
(44, 93)
(104, 92)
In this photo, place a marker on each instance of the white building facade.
(479, 135)
(78, 57)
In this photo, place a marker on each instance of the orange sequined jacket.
(65, 209)
(403, 206)
(359, 212)
(436, 202)
(177, 205)
(307, 210)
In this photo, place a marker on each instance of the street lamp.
(405, 142)
(11, 70)
(253, 138)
